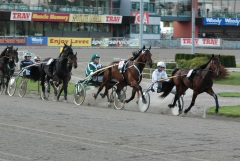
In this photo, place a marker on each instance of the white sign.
(21, 16)
(201, 42)
(113, 19)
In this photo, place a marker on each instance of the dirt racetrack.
(157, 105)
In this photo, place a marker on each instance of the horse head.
(215, 65)
(146, 56)
(9, 53)
(73, 60)
(66, 51)
(16, 55)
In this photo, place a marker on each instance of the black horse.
(56, 70)
(8, 58)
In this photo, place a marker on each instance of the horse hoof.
(185, 111)
(216, 112)
(170, 105)
(137, 102)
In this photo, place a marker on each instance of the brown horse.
(7, 64)
(131, 75)
(202, 82)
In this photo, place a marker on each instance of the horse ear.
(150, 48)
(212, 55)
(76, 54)
(70, 45)
(143, 47)
(17, 49)
(218, 56)
(64, 44)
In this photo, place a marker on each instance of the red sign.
(12, 41)
(52, 17)
(137, 17)
(113, 19)
(21, 16)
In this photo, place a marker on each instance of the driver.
(26, 62)
(92, 66)
(157, 74)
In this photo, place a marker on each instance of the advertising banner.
(115, 42)
(201, 42)
(37, 41)
(21, 16)
(51, 17)
(12, 41)
(222, 21)
(58, 41)
(137, 17)
(90, 18)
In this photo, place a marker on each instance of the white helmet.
(161, 64)
(27, 54)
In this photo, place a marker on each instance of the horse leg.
(43, 87)
(211, 92)
(192, 102)
(133, 95)
(6, 85)
(104, 83)
(65, 86)
(138, 96)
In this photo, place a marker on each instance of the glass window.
(152, 7)
(145, 28)
(21, 28)
(133, 29)
(127, 29)
(60, 26)
(137, 29)
(47, 26)
(150, 29)
(135, 6)
(2, 28)
(67, 26)
(36, 29)
(145, 6)
(155, 29)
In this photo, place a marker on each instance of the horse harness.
(124, 68)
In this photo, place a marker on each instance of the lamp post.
(193, 26)
(141, 25)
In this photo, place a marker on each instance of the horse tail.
(35, 73)
(167, 86)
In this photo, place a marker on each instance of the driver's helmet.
(27, 54)
(95, 56)
(161, 64)
(37, 58)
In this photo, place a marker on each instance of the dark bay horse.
(71, 63)
(131, 76)
(56, 70)
(8, 57)
(202, 82)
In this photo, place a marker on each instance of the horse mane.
(174, 71)
(203, 66)
(3, 52)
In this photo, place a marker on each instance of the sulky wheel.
(179, 103)
(12, 86)
(141, 106)
(22, 88)
(118, 104)
(79, 94)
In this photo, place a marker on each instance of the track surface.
(32, 129)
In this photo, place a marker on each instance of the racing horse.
(55, 69)
(201, 82)
(131, 75)
(71, 63)
(8, 58)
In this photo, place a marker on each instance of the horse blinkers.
(147, 56)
